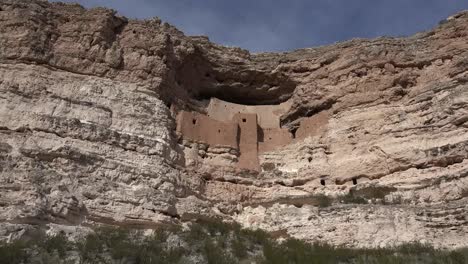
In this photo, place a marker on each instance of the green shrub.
(90, 249)
(273, 254)
(58, 243)
(151, 250)
(257, 236)
(14, 252)
(215, 243)
(196, 233)
(414, 248)
(459, 256)
(118, 242)
(215, 254)
(160, 235)
(239, 248)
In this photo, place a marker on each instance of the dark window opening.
(293, 132)
(244, 120)
(219, 130)
(354, 181)
(269, 138)
(194, 121)
(134, 31)
(322, 182)
(309, 159)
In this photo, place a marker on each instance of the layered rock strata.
(88, 109)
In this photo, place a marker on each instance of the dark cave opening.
(240, 84)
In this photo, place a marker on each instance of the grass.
(208, 241)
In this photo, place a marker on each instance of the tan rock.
(88, 106)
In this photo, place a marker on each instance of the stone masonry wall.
(201, 128)
(272, 138)
(243, 130)
(267, 115)
(248, 140)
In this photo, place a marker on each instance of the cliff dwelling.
(249, 129)
(130, 125)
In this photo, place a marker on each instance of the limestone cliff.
(90, 101)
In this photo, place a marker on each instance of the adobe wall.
(243, 132)
(268, 116)
(313, 125)
(272, 138)
(201, 128)
(248, 140)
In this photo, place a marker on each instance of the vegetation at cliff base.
(207, 241)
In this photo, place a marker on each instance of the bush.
(58, 243)
(257, 236)
(196, 233)
(14, 252)
(90, 249)
(153, 250)
(239, 248)
(215, 254)
(212, 243)
(118, 241)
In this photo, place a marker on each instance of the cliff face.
(89, 103)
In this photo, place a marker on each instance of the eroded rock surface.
(88, 109)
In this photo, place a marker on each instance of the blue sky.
(267, 25)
